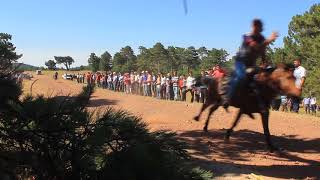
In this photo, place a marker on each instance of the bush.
(57, 138)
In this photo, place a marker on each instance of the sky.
(42, 29)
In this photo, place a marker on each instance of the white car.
(67, 76)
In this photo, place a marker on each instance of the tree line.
(159, 59)
(65, 60)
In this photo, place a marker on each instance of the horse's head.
(281, 79)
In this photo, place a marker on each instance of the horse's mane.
(285, 66)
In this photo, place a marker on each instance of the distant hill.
(25, 67)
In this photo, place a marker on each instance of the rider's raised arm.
(272, 38)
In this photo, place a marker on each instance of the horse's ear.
(286, 67)
(289, 67)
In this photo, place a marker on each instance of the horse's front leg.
(212, 109)
(265, 124)
(235, 123)
(204, 107)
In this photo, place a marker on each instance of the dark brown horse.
(269, 83)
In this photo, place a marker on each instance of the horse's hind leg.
(204, 107)
(212, 109)
(235, 123)
(265, 123)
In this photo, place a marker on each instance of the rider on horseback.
(253, 46)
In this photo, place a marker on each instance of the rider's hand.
(274, 36)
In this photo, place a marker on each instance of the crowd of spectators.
(175, 87)
(159, 85)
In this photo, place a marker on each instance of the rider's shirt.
(247, 54)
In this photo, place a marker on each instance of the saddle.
(248, 83)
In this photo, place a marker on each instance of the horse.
(269, 83)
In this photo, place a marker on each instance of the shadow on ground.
(102, 102)
(244, 143)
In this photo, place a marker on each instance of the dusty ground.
(298, 135)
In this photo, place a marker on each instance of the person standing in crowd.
(284, 103)
(78, 78)
(121, 83)
(93, 79)
(158, 86)
(163, 86)
(109, 81)
(98, 75)
(115, 81)
(313, 105)
(154, 85)
(211, 71)
(126, 80)
(300, 75)
(168, 86)
(203, 88)
(132, 78)
(141, 86)
(136, 83)
(145, 83)
(88, 77)
(306, 105)
(104, 81)
(149, 83)
(190, 86)
(218, 74)
(83, 77)
(182, 87)
(175, 80)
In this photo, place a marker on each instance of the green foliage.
(125, 60)
(161, 59)
(105, 61)
(65, 60)
(56, 138)
(94, 62)
(24, 67)
(214, 57)
(8, 56)
(51, 64)
(191, 58)
(144, 59)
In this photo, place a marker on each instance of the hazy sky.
(42, 29)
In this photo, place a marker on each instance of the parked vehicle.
(67, 76)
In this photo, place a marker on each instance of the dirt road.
(298, 135)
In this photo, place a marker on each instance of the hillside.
(25, 67)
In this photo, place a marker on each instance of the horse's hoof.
(228, 134)
(205, 129)
(196, 118)
(272, 149)
(226, 109)
(227, 138)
